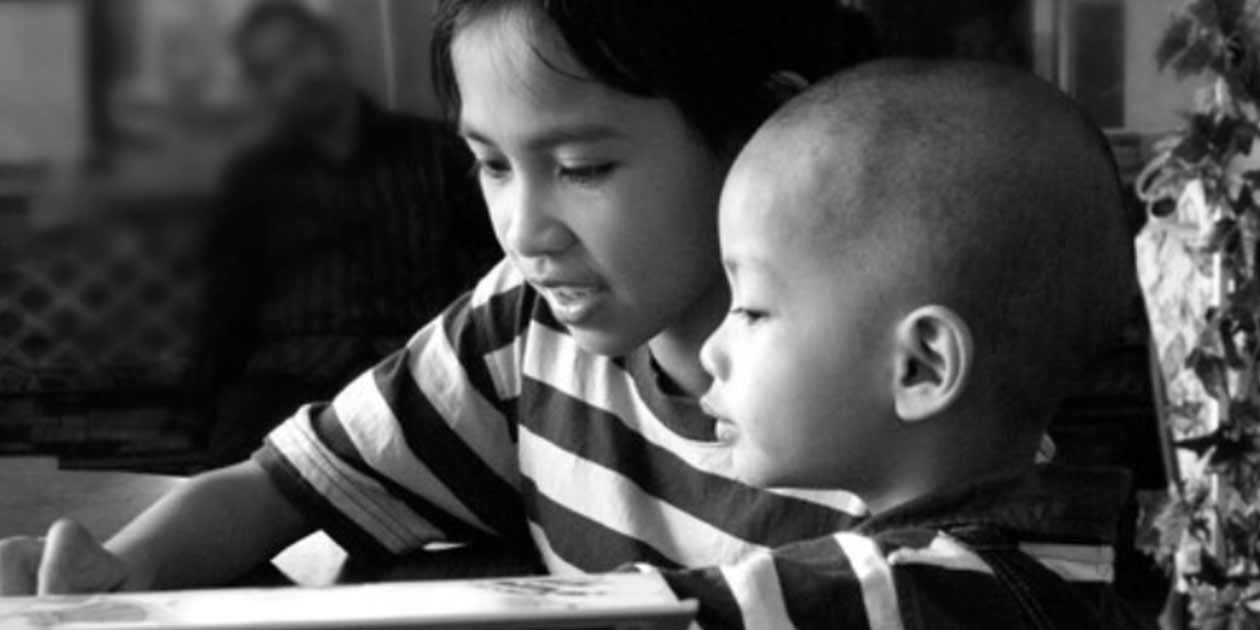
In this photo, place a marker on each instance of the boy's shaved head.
(972, 186)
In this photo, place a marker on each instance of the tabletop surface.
(34, 493)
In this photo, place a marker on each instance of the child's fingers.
(74, 562)
(19, 561)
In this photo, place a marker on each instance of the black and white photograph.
(630, 314)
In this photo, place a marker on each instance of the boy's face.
(607, 203)
(802, 364)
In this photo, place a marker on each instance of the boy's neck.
(942, 458)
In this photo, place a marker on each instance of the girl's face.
(605, 201)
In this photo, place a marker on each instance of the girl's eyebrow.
(577, 134)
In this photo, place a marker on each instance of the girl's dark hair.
(714, 59)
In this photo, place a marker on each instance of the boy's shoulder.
(917, 577)
(926, 578)
(1000, 551)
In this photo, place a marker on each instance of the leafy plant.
(1209, 527)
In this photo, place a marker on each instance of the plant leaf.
(1174, 42)
(1211, 372)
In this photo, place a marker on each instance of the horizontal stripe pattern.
(581, 485)
(597, 437)
(364, 502)
(500, 363)
(943, 552)
(571, 535)
(556, 360)
(852, 581)
(332, 433)
(501, 279)
(439, 449)
(492, 421)
(370, 425)
(492, 412)
(908, 578)
(1074, 563)
(551, 558)
(439, 374)
(754, 583)
(462, 345)
(879, 595)
(718, 606)
(818, 585)
(322, 514)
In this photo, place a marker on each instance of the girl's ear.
(933, 352)
(784, 84)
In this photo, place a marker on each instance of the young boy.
(921, 257)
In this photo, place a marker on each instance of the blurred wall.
(43, 98)
(389, 40)
(412, 31)
(1154, 98)
(1107, 55)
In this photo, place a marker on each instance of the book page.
(639, 601)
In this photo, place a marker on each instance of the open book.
(620, 601)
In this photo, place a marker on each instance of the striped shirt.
(1012, 553)
(492, 424)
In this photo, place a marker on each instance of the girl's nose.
(529, 226)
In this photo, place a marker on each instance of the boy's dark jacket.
(1029, 550)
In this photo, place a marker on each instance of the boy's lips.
(724, 429)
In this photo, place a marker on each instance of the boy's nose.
(530, 229)
(713, 354)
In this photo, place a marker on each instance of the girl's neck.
(677, 348)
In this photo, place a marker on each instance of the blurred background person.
(332, 239)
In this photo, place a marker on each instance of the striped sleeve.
(850, 581)
(420, 448)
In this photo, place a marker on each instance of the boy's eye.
(748, 315)
(586, 173)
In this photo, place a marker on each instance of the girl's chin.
(604, 342)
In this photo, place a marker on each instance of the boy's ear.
(933, 354)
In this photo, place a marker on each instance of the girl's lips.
(573, 304)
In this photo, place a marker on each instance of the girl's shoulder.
(500, 310)
(504, 279)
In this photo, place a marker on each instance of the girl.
(553, 409)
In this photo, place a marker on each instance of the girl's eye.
(748, 315)
(586, 173)
(491, 169)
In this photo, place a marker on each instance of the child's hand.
(68, 560)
